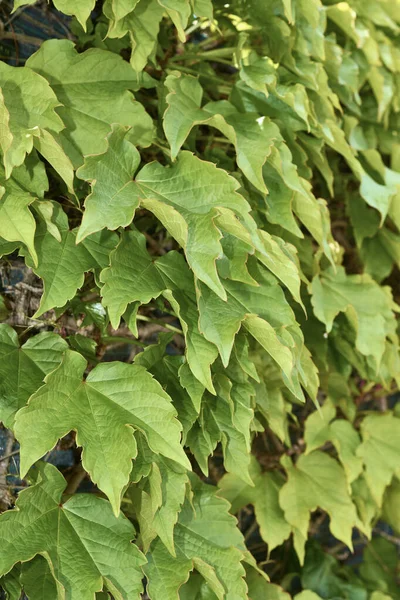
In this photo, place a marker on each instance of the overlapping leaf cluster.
(243, 191)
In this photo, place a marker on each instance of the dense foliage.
(213, 190)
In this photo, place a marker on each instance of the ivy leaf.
(84, 527)
(160, 197)
(158, 497)
(45, 209)
(34, 578)
(260, 589)
(225, 418)
(175, 376)
(62, 264)
(11, 585)
(51, 150)
(80, 9)
(131, 277)
(391, 500)
(317, 480)
(196, 587)
(380, 575)
(289, 193)
(127, 281)
(281, 259)
(322, 574)
(195, 190)
(142, 22)
(180, 292)
(22, 370)
(219, 321)
(203, 8)
(264, 496)
(179, 12)
(215, 553)
(111, 203)
(113, 396)
(30, 177)
(17, 223)
(251, 136)
(88, 119)
(120, 8)
(18, 196)
(379, 452)
(321, 427)
(373, 320)
(27, 104)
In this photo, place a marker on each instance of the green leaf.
(80, 9)
(27, 105)
(84, 345)
(180, 292)
(177, 285)
(381, 253)
(88, 118)
(194, 191)
(22, 369)
(317, 480)
(143, 24)
(51, 150)
(131, 277)
(37, 579)
(30, 177)
(83, 527)
(260, 589)
(196, 588)
(323, 577)
(271, 404)
(11, 585)
(19, 3)
(321, 427)
(17, 199)
(62, 264)
(376, 195)
(119, 8)
(280, 258)
(307, 595)
(46, 211)
(379, 452)
(264, 496)
(225, 418)
(158, 498)
(216, 553)
(380, 575)
(289, 193)
(113, 396)
(179, 12)
(16, 220)
(219, 321)
(203, 8)
(251, 136)
(368, 307)
(111, 202)
(391, 503)
(367, 508)
(177, 379)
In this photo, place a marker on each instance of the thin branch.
(8, 456)
(387, 536)
(20, 37)
(5, 494)
(159, 322)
